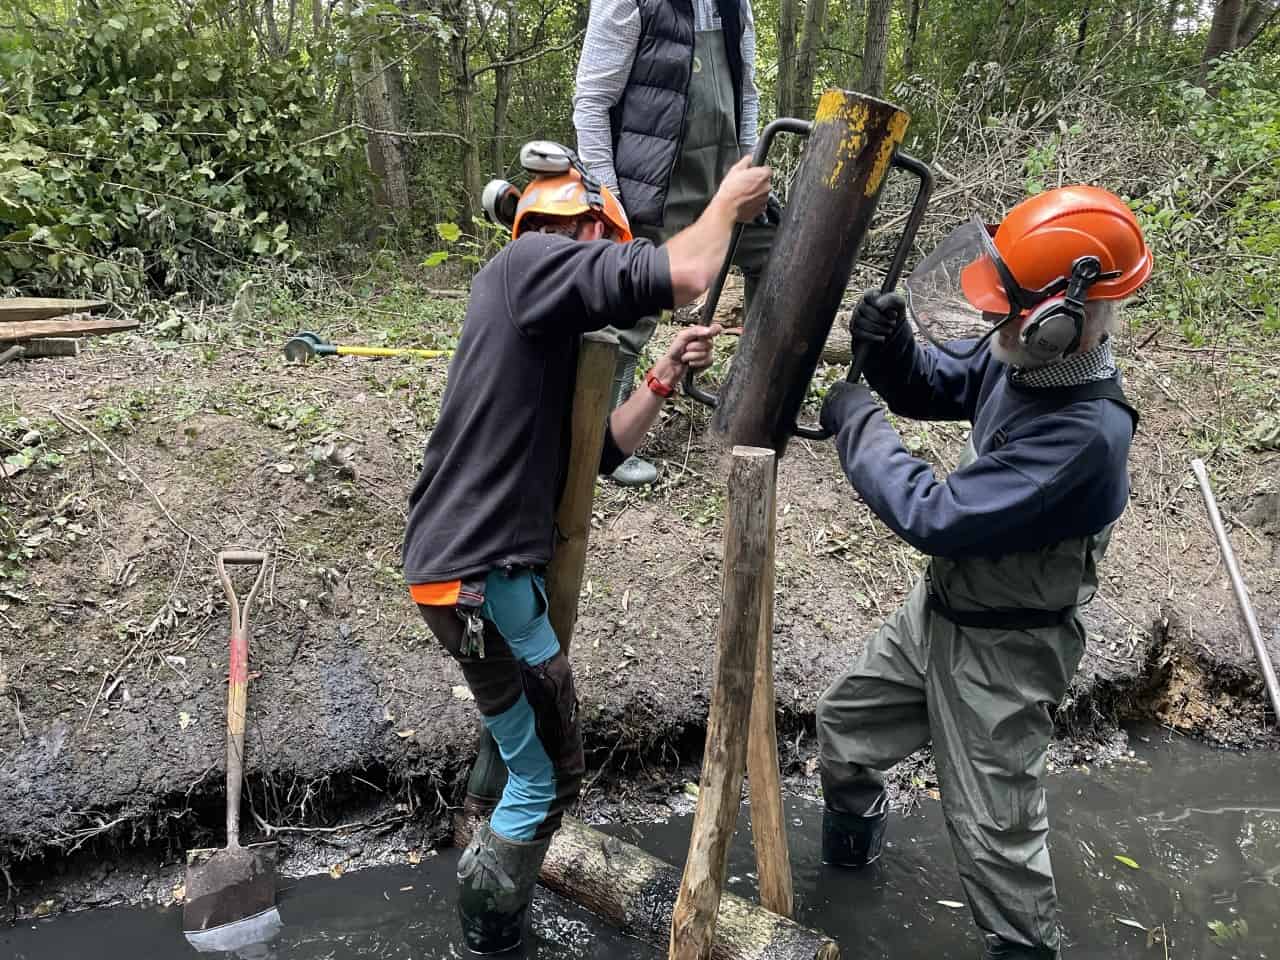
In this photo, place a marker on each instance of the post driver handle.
(800, 128)
(919, 205)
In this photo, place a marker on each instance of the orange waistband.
(436, 594)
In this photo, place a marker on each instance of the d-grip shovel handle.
(238, 678)
(800, 128)
(918, 206)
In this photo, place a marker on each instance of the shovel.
(307, 346)
(231, 893)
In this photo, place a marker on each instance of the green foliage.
(1228, 934)
(137, 143)
(470, 249)
(1215, 227)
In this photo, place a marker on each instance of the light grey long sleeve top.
(608, 52)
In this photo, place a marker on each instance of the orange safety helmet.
(566, 195)
(1031, 255)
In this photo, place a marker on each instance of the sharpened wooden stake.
(768, 825)
(596, 360)
(748, 520)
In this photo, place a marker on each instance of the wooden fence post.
(768, 825)
(596, 360)
(748, 519)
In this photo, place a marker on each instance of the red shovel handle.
(238, 679)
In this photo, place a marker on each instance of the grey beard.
(1019, 357)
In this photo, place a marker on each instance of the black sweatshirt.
(495, 464)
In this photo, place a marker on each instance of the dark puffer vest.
(648, 121)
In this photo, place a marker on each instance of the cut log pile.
(46, 327)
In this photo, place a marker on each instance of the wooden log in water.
(636, 892)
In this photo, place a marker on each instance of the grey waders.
(974, 662)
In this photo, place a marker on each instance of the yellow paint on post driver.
(853, 112)
(897, 129)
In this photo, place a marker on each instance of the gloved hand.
(772, 215)
(843, 398)
(876, 317)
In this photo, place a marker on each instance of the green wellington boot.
(496, 877)
(633, 472)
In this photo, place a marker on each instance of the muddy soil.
(113, 629)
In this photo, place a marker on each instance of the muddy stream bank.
(1173, 851)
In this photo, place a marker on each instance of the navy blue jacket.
(1044, 472)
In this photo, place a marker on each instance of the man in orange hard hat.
(975, 662)
(482, 514)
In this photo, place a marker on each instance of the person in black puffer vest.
(665, 104)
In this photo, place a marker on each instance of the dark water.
(388, 913)
(1202, 826)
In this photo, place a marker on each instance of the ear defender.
(1056, 326)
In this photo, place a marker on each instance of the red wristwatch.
(657, 386)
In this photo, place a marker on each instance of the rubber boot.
(633, 472)
(996, 949)
(488, 778)
(851, 840)
(496, 877)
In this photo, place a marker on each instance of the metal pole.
(1237, 583)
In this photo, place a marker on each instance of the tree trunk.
(1082, 35)
(914, 9)
(635, 892)
(875, 51)
(815, 21)
(1222, 33)
(502, 93)
(317, 19)
(1006, 39)
(375, 107)
(426, 84)
(273, 28)
(1257, 15)
(457, 13)
(786, 92)
(1115, 28)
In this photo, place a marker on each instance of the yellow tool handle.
(390, 352)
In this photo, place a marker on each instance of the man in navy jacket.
(986, 644)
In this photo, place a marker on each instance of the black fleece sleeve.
(556, 286)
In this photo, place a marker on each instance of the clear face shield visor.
(957, 294)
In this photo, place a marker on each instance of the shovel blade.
(231, 897)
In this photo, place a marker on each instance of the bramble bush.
(137, 147)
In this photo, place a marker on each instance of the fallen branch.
(69, 421)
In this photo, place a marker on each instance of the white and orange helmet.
(561, 187)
